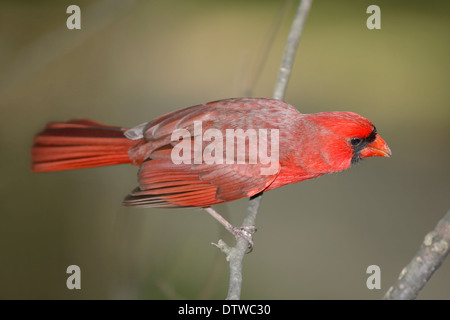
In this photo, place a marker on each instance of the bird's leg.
(239, 232)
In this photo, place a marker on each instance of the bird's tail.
(79, 144)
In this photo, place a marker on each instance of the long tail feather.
(79, 144)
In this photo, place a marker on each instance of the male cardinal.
(309, 146)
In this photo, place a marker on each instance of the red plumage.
(79, 144)
(310, 145)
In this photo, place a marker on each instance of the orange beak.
(377, 148)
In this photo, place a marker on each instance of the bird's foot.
(245, 232)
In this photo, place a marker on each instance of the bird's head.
(345, 138)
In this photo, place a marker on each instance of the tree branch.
(428, 259)
(291, 48)
(235, 255)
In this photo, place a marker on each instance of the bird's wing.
(164, 183)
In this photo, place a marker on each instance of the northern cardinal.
(310, 145)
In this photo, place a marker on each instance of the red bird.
(310, 145)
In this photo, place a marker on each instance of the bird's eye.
(355, 141)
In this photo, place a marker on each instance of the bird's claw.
(245, 232)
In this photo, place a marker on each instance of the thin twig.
(291, 48)
(252, 74)
(235, 255)
(428, 259)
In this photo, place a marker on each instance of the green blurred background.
(135, 60)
